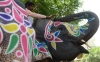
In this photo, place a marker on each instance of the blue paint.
(57, 33)
(27, 23)
(6, 17)
(91, 19)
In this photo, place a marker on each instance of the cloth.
(31, 20)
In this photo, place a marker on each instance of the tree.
(58, 7)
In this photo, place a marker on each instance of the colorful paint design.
(51, 37)
(24, 44)
(1, 35)
(16, 16)
(40, 48)
(10, 28)
(74, 30)
(19, 54)
(13, 43)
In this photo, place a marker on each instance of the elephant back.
(16, 33)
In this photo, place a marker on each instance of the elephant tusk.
(85, 43)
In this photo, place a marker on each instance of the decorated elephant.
(64, 39)
(55, 39)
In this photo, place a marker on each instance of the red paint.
(7, 10)
(23, 29)
(17, 16)
(1, 36)
(24, 44)
(57, 24)
(42, 49)
(5, 3)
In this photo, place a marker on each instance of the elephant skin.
(69, 45)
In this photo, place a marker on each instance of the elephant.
(55, 39)
(64, 39)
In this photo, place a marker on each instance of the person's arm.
(36, 15)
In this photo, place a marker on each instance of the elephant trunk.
(93, 23)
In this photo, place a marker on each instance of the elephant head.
(64, 39)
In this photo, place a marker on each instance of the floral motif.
(52, 37)
(18, 22)
(39, 47)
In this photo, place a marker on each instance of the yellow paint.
(69, 29)
(10, 28)
(40, 55)
(30, 31)
(53, 44)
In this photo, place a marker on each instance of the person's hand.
(51, 16)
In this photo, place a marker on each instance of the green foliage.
(93, 56)
(58, 7)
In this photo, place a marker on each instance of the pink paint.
(17, 16)
(5, 3)
(23, 29)
(46, 29)
(19, 8)
(19, 54)
(24, 44)
(7, 10)
(1, 36)
(49, 37)
(57, 23)
(58, 40)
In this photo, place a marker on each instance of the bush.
(93, 56)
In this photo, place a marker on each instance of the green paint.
(35, 51)
(13, 43)
(77, 33)
(30, 44)
(84, 27)
(36, 42)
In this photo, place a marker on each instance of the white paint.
(16, 61)
(0, 50)
(94, 6)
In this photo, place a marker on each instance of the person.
(31, 15)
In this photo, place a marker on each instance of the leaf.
(30, 31)
(57, 33)
(58, 40)
(35, 50)
(30, 44)
(13, 43)
(6, 16)
(53, 44)
(17, 16)
(24, 44)
(10, 28)
(42, 49)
